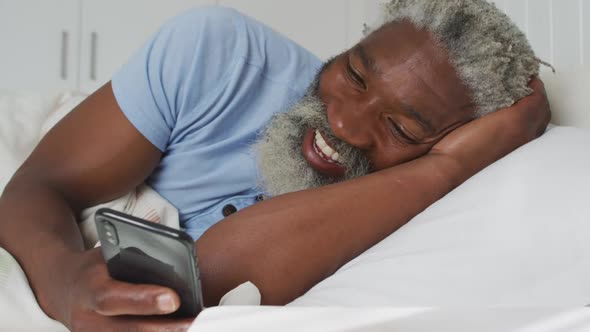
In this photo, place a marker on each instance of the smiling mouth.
(321, 156)
(324, 150)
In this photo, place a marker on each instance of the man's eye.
(355, 77)
(400, 134)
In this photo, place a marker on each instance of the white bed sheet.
(322, 319)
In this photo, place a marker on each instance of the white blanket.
(380, 319)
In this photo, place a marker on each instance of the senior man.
(282, 169)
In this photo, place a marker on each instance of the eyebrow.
(367, 60)
(422, 121)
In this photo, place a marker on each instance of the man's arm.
(92, 156)
(289, 243)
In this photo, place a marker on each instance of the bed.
(507, 250)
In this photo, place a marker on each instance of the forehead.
(411, 68)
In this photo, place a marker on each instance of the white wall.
(559, 30)
(31, 56)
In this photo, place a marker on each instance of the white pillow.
(515, 234)
(24, 118)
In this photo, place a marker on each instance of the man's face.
(386, 101)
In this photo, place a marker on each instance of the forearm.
(287, 244)
(38, 227)
(480, 143)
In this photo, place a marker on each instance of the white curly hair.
(490, 53)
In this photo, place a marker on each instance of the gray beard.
(281, 163)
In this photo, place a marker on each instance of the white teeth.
(325, 148)
(328, 151)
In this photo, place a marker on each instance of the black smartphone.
(142, 252)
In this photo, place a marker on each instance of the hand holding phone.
(142, 252)
(92, 301)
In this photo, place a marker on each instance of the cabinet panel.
(112, 30)
(39, 44)
(320, 26)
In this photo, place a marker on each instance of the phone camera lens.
(110, 233)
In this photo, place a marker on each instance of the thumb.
(118, 298)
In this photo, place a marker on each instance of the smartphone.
(142, 252)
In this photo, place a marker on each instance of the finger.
(117, 298)
(537, 85)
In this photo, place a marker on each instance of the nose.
(351, 124)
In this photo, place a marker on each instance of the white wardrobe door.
(320, 26)
(38, 43)
(112, 30)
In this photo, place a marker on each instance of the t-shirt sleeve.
(176, 69)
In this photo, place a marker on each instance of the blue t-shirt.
(201, 90)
